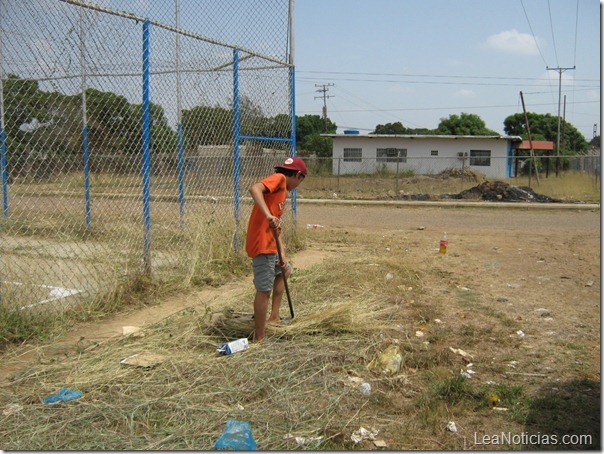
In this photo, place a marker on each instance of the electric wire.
(533, 33)
(551, 26)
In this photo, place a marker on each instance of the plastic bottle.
(365, 389)
(236, 436)
(233, 347)
(314, 226)
(444, 242)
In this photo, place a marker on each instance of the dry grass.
(302, 382)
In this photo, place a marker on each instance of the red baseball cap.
(294, 164)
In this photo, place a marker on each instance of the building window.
(353, 154)
(391, 155)
(434, 153)
(480, 158)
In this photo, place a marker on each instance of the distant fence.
(128, 137)
(341, 175)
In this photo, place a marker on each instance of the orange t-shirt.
(260, 238)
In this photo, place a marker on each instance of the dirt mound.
(466, 173)
(492, 191)
(499, 191)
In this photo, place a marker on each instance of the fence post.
(84, 121)
(3, 164)
(338, 180)
(146, 139)
(179, 145)
(236, 134)
(293, 136)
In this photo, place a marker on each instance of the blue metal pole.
(236, 138)
(4, 172)
(86, 175)
(3, 164)
(181, 176)
(292, 80)
(146, 124)
(84, 120)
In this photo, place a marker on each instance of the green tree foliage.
(308, 135)
(391, 128)
(203, 125)
(464, 125)
(545, 127)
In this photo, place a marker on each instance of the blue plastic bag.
(237, 436)
(62, 395)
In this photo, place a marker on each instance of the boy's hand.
(273, 221)
(287, 268)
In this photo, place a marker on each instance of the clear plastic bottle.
(444, 242)
(314, 226)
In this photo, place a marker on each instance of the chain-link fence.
(130, 132)
(375, 178)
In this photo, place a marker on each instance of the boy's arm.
(257, 191)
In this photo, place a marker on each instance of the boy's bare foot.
(271, 321)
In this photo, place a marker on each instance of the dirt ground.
(539, 267)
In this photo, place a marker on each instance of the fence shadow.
(570, 411)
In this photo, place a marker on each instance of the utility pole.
(560, 71)
(324, 90)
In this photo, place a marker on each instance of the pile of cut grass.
(296, 384)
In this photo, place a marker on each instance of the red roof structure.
(540, 145)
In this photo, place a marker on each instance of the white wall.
(419, 150)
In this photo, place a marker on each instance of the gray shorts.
(266, 268)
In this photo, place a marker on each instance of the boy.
(269, 197)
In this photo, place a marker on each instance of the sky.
(418, 61)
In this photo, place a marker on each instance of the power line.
(533, 33)
(551, 26)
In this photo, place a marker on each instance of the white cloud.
(464, 93)
(513, 42)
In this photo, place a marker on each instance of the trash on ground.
(451, 427)
(143, 360)
(493, 400)
(388, 362)
(234, 346)
(237, 436)
(364, 434)
(133, 331)
(304, 441)
(513, 285)
(589, 284)
(466, 356)
(62, 395)
(500, 409)
(466, 373)
(365, 389)
(419, 334)
(314, 226)
(389, 276)
(520, 333)
(381, 444)
(11, 409)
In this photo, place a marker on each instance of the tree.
(545, 127)
(308, 135)
(464, 125)
(313, 124)
(203, 125)
(391, 128)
